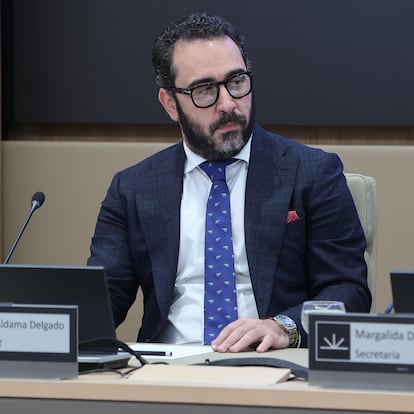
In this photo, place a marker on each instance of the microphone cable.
(299, 372)
(109, 344)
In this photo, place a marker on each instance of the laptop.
(84, 286)
(402, 287)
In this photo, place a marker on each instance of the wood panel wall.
(311, 135)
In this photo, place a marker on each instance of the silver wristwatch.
(289, 326)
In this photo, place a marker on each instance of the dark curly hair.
(193, 27)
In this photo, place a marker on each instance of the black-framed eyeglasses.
(207, 94)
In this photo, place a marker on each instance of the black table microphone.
(37, 201)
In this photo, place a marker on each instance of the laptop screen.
(402, 287)
(63, 285)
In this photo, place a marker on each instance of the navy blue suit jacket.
(320, 255)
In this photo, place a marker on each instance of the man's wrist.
(289, 326)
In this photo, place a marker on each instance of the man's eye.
(205, 90)
(236, 82)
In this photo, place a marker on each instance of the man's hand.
(244, 333)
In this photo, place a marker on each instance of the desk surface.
(131, 392)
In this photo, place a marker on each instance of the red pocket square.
(292, 216)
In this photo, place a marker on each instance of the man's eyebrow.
(201, 81)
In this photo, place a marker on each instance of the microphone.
(37, 201)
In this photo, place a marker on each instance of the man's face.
(221, 130)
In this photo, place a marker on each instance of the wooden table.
(106, 393)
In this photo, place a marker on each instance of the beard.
(230, 143)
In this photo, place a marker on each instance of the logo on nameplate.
(333, 340)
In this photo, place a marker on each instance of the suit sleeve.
(333, 253)
(110, 248)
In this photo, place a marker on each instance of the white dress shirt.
(186, 316)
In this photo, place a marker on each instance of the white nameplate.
(38, 341)
(369, 350)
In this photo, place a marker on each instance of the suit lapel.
(159, 207)
(269, 188)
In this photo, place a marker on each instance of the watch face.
(286, 321)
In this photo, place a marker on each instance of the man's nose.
(225, 102)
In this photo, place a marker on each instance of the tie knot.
(216, 170)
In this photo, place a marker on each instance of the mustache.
(227, 118)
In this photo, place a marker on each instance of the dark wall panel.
(316, 62)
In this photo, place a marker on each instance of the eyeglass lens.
(237, 86)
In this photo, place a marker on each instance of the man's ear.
(168, 102)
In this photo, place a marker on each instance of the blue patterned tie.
(220, 302)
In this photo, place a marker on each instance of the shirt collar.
(193, 160)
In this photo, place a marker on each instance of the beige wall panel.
(74, 177)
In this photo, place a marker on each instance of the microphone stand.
(35, 205)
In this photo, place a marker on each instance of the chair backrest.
(364, 192)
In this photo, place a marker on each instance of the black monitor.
(83, 286)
